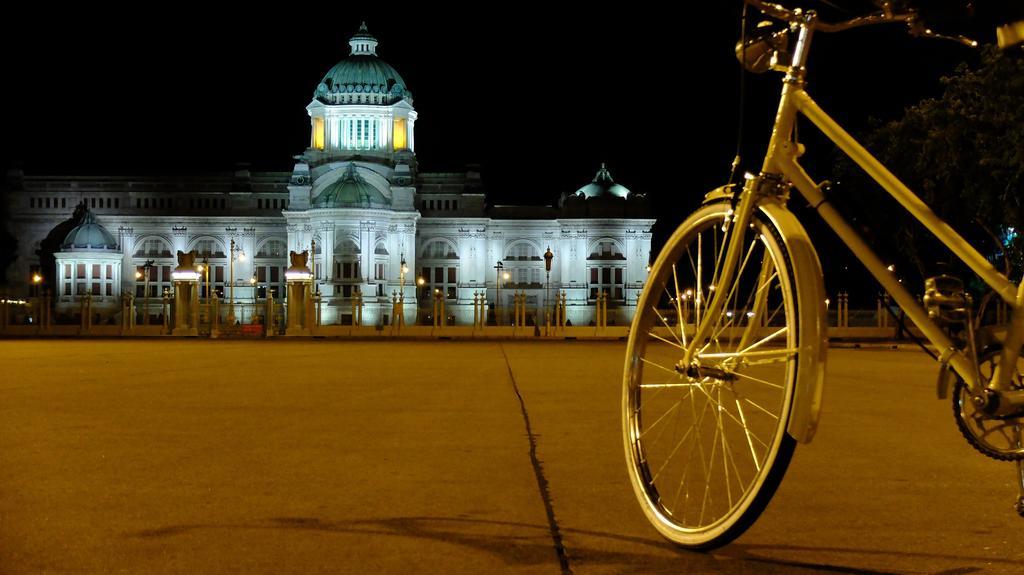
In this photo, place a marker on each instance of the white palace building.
(357, 198)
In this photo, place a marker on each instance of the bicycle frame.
(781, 163)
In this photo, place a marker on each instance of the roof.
(89, 235)
(351, 191)
(362, 73)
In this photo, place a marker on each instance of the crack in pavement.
(538, 471)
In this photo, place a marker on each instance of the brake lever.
(918, 29)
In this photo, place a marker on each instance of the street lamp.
(499, 270)
(401, 280)
(144, 276)
(37, 279)
(231, 272)
(548, 256)
(204, 268)
(420, 283)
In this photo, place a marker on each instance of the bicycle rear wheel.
(706, 443)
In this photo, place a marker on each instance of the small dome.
(362, 78)
(89, 235)
(603, 186)
(351, 191)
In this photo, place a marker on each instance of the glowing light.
(36, 278)
(241, 257)
(728, 314)
(185, 276)
(399, 137)
(318, 133)
(297, 275)
(750, 314)
(138, 275)
(420, 281)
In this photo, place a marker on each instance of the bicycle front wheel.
(706, 442)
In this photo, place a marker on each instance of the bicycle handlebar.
(885, 16)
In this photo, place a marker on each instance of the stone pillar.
(214, 314)
(127, 313)
(86, 310)
(268, 315)
(298, 316)
(186, 306)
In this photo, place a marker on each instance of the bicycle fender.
(813, 335)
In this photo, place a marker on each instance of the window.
(606, 250)
(399, 134)
(153, 248)
(272, 249)
(440, 269)
(318, 133)
(80, 271)
(96, 272)
(438, 249)
(208, 248)
(608, 279)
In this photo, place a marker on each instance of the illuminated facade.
(357, 199)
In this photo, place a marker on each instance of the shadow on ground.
(523, 544)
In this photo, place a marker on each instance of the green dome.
(603, 186)
(89, 235)
(351, 191)
(362, 78)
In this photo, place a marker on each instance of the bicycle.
(726, 354)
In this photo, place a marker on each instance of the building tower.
(351, 193)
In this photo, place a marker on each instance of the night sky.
(538, 98)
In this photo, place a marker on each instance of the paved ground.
(335, 457)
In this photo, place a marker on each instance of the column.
(327, 247)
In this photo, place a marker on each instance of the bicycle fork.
(735, 228)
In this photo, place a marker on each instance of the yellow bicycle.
(726, 356)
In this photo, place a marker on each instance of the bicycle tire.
(755, 446)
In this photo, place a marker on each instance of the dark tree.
(963, 154)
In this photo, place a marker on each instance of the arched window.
(606, 269)
(153, 248)
(210, 252)
(440, 269)
(524, 264)
(347, 265)
(270, 265)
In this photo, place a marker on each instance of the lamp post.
(231, 273)
(204, 268)
(401, 291)
(420, 283)
(498, 271)
(144, 276)
(548, 256)
(37, 280)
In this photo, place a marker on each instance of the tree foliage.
(963, 154)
